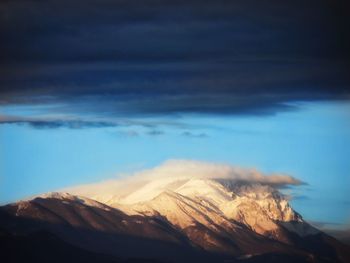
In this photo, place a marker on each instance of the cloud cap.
(173, 171)
(192, 169)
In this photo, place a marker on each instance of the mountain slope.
(96, 227)
(179, 220)
(45, 247)
(215, 213)
(259, 207)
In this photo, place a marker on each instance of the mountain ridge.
(184, 218)
(256, 205)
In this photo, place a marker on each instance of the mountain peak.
(187, 200)
(58, 195)
(213, 215)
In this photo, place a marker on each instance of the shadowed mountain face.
(99, 229)
(217, 222)
(43, 246)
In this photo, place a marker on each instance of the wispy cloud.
(40, 120)
(155, 132)
(52, 123)
(194, 135)
(199, 169)
(174, 170)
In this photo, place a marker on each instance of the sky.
(90, 90)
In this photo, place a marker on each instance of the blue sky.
(310, 142)
(90, 90)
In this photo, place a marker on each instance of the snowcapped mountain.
(189, 199)
(181, 212)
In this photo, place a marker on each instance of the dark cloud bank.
(126, 58)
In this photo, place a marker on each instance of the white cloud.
(175, 170)
(208, 170)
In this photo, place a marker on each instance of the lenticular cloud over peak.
(191, 169)
(177, 170)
